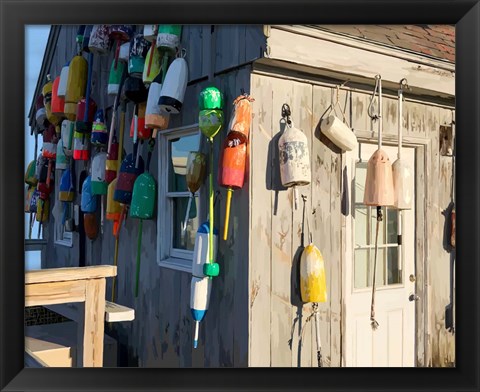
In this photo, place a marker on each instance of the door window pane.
(360, 177)
(380, 277)
(178, 152)
(394, 273)
(373, 227)
(392, 225)
(361, 227)
(361, 268)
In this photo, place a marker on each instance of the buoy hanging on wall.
(85, 115)
(120, 34)
(150, 32)
(111, 165)
(67, 130)
(66, 191)
(99, 130)
(58, 103)
(144, 133)
(61, 161)
(76, 86)
(152, 65)
(99, 185)
(294, 156)
(88, 200)
(99, 41)
(41, 113)
(138, 51)
(47, 101)
(313, 284)
(126, 179)
(50, 140)
(81, 146)
(115, 77)
(174, 86)
(402, 174)
(201, 286)
(154, 117)
(62, 85)
(30, 178)
(168, 37)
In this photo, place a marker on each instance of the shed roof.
(437, 41)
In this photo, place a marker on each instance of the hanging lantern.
(174, 86)
(201, 285)
(154, 117)
(99, 42)
(30, 178)
(126, 179)
(313, 285)
(58, 103)
(143, 132)
(138, 52)
(61, 162)
(41, 113)
(76, 86)
(47, 101)
(66, 192)
(338, 133)
(115, 77)
(81, 146)
(150, 32)
(401, 172)
(112, 165)
(85, 116)
(99, 185)
(50, 140)
(168, 37)
(89, 200)
(210, 122)
(67, 130)
(210, 98)
(294, 156)
(153, 63)
(99, 130)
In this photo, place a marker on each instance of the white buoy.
(294, 158)
(154, 117)
(150, 32)
(200, 250)
(200, 290)
(67, 130)
(174, 86)
(339, 133)
(61, 162)
(62, 86)
(99, 184)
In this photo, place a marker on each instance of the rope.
(374, 322)
(315, 314)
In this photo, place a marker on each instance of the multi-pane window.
(389, 265)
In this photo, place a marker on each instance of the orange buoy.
(143, 132)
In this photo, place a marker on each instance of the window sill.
(176, 264)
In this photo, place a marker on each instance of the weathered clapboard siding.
(161, 334)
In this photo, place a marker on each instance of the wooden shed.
(256, 316)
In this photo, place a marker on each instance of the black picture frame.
(16, 14)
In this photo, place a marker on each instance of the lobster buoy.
(81, 146)
(50, 140)
(99, 130)
(294, 158)
(85, 115)
(47, 101)
(99, 41)
(115, 77)
(379, 181)
(143, 132)
(201, 285)
(135, 90)
(168, 37)
(89, 200)
(111, 164)
(43, 209)
(123, 53)
(58, 103)
(138, 51)
(90, 225)
(61, 161)
(41, 113)
(67, 130)
(313, 285)
(30, 190)
(338, 133)
(143, 197)
(46, 178)
(66, 191)
(62, 85)
(114, 208)
(174, 86)
(150, 32)
(34, 201)
(126, 179)
(154, 117)
(120, 34)
(30, 177)
(152, 65)
(76, 86)
(99, 185)
(210, 122)
(210, 98)
(241, 119)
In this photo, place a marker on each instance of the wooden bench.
(83, 284)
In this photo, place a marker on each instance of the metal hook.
(286, 113)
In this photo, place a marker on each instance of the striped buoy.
(174, 86)
(126, 179)
(99, 130)
(99, 185)
(144, 133)
(136, 60)
(168, 37)
(61, 162)
(154, 117)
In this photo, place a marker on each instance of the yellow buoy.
(313, 284)
(76, 86)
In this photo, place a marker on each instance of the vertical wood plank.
(93, 326)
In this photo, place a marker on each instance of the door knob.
(413, 297)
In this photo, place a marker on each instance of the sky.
(35, 42)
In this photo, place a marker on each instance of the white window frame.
(67, 237)
(167, 256)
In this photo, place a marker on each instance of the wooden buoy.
(66, 190)
(195, 176)
(402, 174)
(138, 51)
(99, 130)
(99, 41)
(99, 185)
(126, 179)
(88, 200)
(115, 77)
(174, 86)
(150, 32)
(50, 140)
(81, 146)
(85, 115)
(47, 101)
(338, 133)
(294, 156)
(114, 208)
(90, 225)
(168, 37)
(43, 210)
(210, 122)
(313, 285)
(67, 130)
(152, 66)
(61, 161)
(154, 117)
(30, 178)
(58, 103)
(120, 34)
(144, 132)
(46, 178)
(62, 85)
(111, 164)
(76, 86)
(200, 288)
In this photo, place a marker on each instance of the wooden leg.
(94, 323)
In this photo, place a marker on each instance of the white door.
(393, 342)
